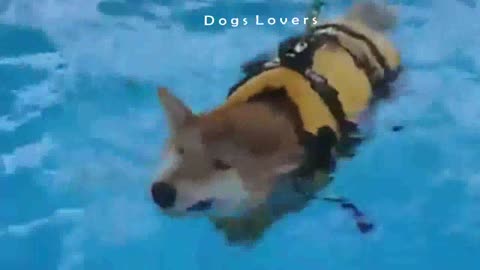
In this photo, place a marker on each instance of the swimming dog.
(273, 144)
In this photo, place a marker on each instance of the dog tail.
(376, 16)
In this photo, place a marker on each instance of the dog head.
(224, 162)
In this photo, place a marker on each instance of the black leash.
(363, 224)
(361, 220)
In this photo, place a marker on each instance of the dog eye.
(180, 150)
(221, 165)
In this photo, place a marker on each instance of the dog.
(273, 144)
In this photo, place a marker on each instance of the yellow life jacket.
(331, 75)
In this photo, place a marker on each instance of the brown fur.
(258, 138)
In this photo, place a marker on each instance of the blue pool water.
(81, 133)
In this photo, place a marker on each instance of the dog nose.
(163, 194)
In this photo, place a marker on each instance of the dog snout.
(164, 194)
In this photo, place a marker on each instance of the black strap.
(261, 63)
(330, 96)
(381, 89)
(318, 152)
(371, 46)
(297, 54)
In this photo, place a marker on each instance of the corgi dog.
(272, 145)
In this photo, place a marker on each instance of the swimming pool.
(81, 132)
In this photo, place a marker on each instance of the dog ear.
(177, 112)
